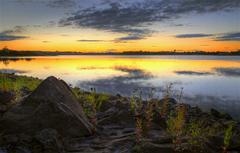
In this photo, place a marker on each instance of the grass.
(91, 102)
(228, 136)
(136, 108)
(13, 83)
(197, 134)
(10, 82)
(176, 124)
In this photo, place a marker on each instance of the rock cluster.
(51, 120)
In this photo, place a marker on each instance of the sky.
(120, 25)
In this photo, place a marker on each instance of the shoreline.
(8, 53)
(108, 122)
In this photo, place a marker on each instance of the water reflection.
(208, 81)
(126, 84)
(223, 71)
(6, 61)
(193, 73)
(233, 72)
(12, 71)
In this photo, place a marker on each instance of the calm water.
(207, 81)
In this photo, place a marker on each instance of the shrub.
(139, 129)
(176, 124)
(95, 101)
(197, 135)
(228, 136)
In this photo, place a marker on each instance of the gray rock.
(52, 105)
(154, 148)
(50, 140)
(219, 115)
(6, 97)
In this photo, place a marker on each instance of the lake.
(205, 81)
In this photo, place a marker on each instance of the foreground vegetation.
(189, 128)
(17, 84)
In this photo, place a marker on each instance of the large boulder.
(6, 97)
(52, 105)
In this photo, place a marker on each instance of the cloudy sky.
(120, 25)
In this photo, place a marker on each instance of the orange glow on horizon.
(157, 43)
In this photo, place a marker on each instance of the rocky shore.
(55, 118)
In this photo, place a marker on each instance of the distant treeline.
(7, 52)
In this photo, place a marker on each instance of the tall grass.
(136, 106)
(149, 110)
(198, 134)
(10, 82)
(176, 124)
(164, 110)
(228, 136)
(14, 84)
(96, 101)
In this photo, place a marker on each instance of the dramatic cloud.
(229, 37)
(61, 3)
(215, 37)
(11, 38)
(9, 35)
(196, 35)
(16, 29)
(52, 3)
(193, 73)
(234, 72)
(91, 40)
(132, 17)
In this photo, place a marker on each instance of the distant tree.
(5, 50)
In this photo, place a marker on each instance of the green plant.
(176, 124)
(198, 134)
(180, 95)
(96, 101)
(139, 129)
(142, 114)
(168, 90)
(136, 103)
(199, 131)
(14, 83)
(148, 115)
(228, 136)
(164, 108)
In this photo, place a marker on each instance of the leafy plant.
(139, 129)
(164, 110)
(14, 83)
(228, 136)
(198, 134)
(96, 101)
(136, 106)
(176, 124)
(148, 115)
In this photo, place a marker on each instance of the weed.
(164, 110)
(228, 136)
(197, 135)
(14, 83)
(139, 129)
(136, 105)
(95, 101)
(176, 124)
